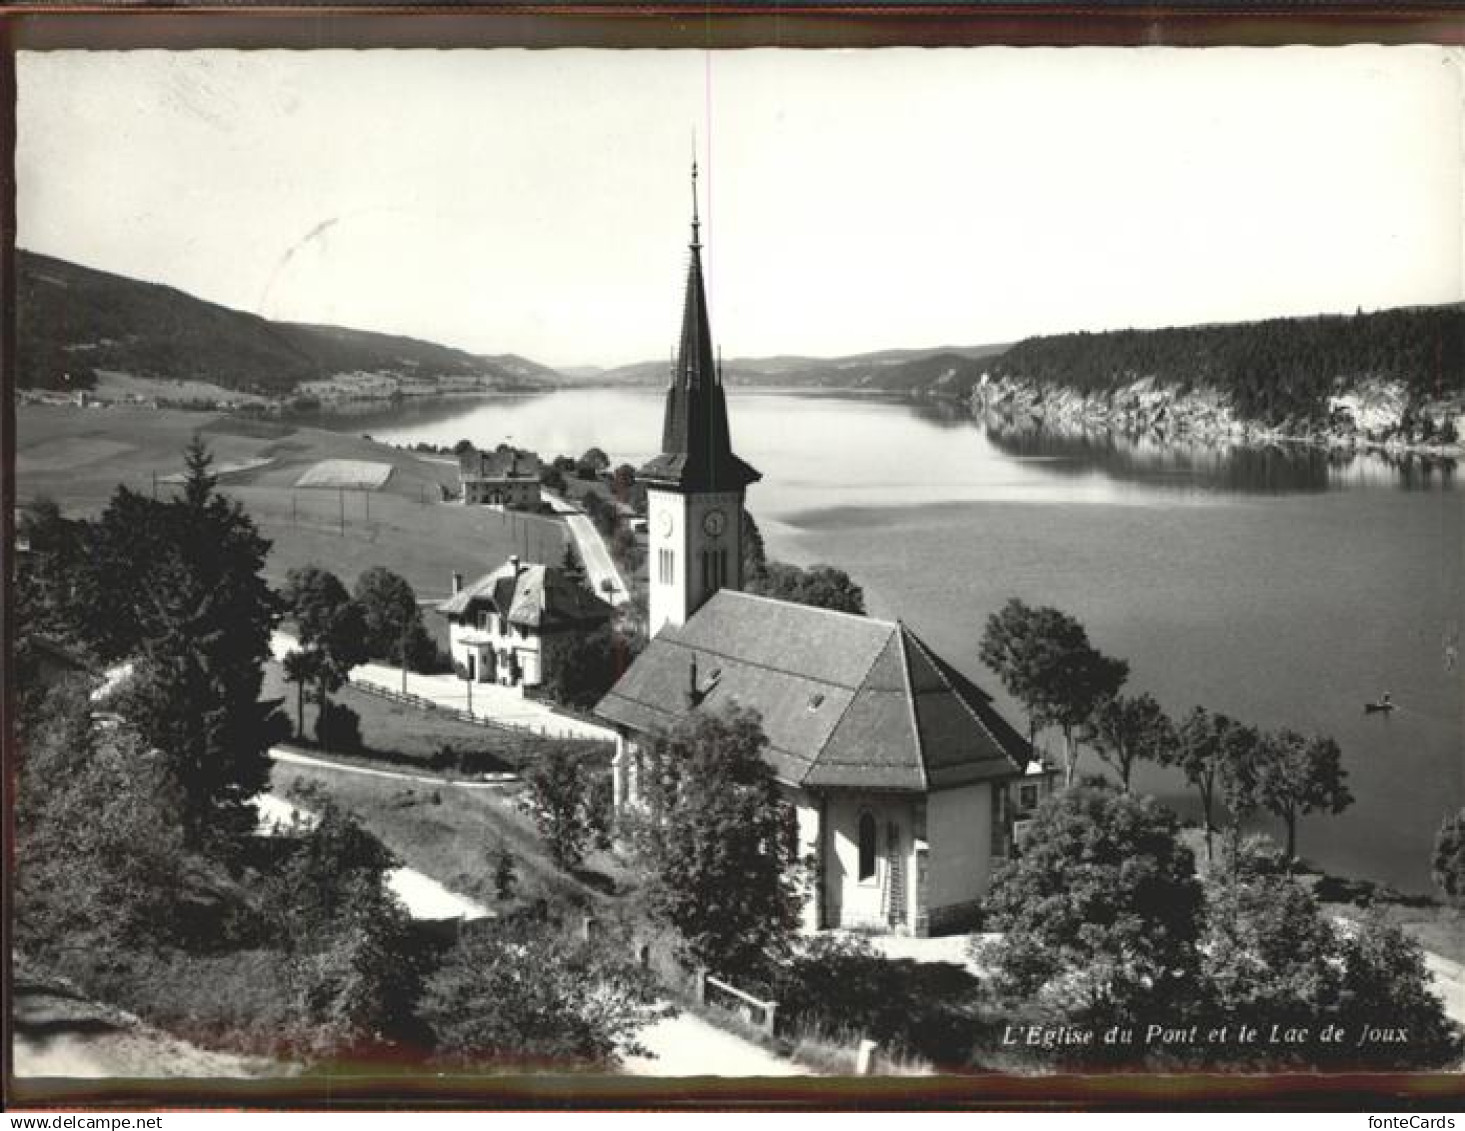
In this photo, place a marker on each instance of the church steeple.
(695, 487)
(696, 447)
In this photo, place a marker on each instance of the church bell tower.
(695, 487)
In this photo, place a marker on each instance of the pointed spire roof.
(696, 446)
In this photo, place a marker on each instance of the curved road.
(598, 563)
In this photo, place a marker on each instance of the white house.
(907, 782)
(505, 626)
(505, 477)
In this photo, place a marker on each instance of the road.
(686, 1045)
(599, 567)
(505, 705)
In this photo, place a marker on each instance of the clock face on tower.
(666, 523)
(714, 523)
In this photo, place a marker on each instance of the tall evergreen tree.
(190, 606)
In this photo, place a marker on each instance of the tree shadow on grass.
(597, 881)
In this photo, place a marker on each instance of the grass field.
(77, 456)
(453, 835)
(411, 735)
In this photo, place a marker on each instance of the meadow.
(78, 456)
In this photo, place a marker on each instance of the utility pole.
(293, 521)
(341, 499)
(367, 495)
(155, 484)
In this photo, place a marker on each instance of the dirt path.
(686, 1045)
(60, 1034)
(1449, 983)
(421, 895)
(295, 758)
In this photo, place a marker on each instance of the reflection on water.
(1227, 466)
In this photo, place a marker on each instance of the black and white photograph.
(794, 567)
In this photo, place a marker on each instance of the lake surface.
(1284, 588)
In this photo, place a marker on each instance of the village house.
(504, 477)
(506, 626)
(908, 785)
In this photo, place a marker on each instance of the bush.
(517, 993)
(339, 728)
(1449, 858)
(844, 985)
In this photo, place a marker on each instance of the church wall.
(870, 903)
(959, 867)
(807, 808)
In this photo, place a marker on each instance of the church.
(908, 785)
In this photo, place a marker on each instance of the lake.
(1285, 588)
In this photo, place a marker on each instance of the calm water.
(1285, 589)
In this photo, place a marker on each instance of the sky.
(537, 202)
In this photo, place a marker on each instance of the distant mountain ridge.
(947, 370)
(1397, 373)
(73, 321)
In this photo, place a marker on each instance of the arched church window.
(867, 846)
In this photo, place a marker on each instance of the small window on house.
(867, 846)
(1027, 797)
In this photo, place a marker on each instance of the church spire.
(696, 223)
(696, 448)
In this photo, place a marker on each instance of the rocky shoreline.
(1366, 416)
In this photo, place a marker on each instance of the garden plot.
(348, 474)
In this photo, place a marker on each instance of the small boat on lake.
(1383, 705)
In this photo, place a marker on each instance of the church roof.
(696, 446)
(847, 702)
(532, 596)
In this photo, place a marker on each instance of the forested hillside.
(73, 321)
(1282, 369)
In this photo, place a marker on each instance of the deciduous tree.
(1125, 731)
(584, 667)
(1101, 911)
(392, 619)
(1197, 754)
(1297, 774)
(331, 627)
(722, 845)
(1448, 863)
(823, 586)
(560, 787)
(1044, 659)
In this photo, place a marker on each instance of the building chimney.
(694, 693)
(457, 582)
(514, 564)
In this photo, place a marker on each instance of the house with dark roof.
(506, 626)
(908, 785)
(504, 477)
